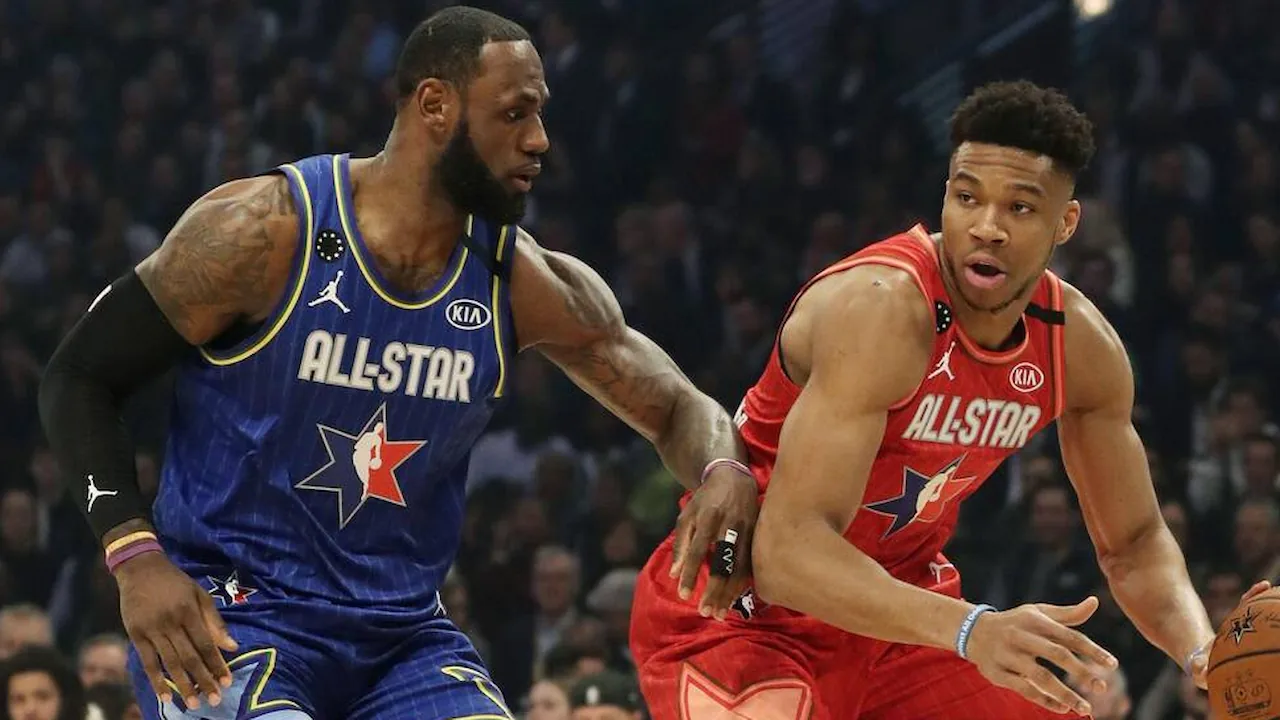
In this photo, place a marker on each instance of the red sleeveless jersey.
(971, 410)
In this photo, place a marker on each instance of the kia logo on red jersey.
(1026, 377)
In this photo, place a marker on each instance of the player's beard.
(1023, 291)
(471, 186)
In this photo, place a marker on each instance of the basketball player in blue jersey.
(341, 331)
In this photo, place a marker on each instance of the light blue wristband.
(966, 628)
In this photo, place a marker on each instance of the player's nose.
(536, 141)
(986, 228)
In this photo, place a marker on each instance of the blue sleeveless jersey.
(325, 457)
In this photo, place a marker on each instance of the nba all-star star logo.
(924, 497)
(228, 591)
(1243, 626)
(361, 466)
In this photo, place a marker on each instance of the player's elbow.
(771, 547)
(1136, 550)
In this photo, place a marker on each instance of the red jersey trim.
(1058, 348)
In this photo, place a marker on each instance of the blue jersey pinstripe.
(325, 457)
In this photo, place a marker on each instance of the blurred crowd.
(706, 187)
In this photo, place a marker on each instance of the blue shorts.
(304, 662)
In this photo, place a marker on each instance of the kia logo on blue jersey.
(467, 314)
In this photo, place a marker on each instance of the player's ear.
(437, 104)
(1069, 222)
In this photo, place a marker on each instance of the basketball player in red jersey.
(901, 378)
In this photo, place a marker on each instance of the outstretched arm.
(566, 311)
(1107, 464)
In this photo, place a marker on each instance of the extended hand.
(726, 505)
(172, 620)
(1007, 648)
(1198, 664)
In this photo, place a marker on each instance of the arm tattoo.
(628, 374)
(217, 265)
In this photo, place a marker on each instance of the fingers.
(1075, 667)
(1028, 689)
(680, 543)
(1257, 589)
(192, 659)
(1076, 642)
(217, 628)
(695, 551)
(721, 592)
(173, 667)
(201, 632)
(1070, 615)
(1042, 684)
(151, 666)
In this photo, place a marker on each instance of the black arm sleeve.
(120, 344)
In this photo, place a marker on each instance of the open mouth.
(523, 179)
(984, 275)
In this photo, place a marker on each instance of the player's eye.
(1021, 208)
(516, 115)
(965, 197)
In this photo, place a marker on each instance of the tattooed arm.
(227, 260)
(567, 312)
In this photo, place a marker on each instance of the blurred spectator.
(114, 701)
(104, 659)
(1257, 539)
(40, 685)
(606, 696)
(547, 701)
(611, 600)
(23, 626)
(1113, 703)
(528, 637)
(1053, 564)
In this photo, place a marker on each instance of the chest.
(970, 404)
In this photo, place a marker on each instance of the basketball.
(1244, 663)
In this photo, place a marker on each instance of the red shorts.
(780, 665)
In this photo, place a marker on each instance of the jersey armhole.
(1058, 347)
(886, 260)
(254, 341)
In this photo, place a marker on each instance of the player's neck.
(394, 193)
(990, 330)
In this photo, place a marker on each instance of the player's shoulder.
(1098, 372)
(870, 310)
(256, 211)
(1087, 331)
(228, 256)
(869, 297)
(557, 298)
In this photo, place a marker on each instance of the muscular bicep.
(565, 310)
(226, 259)
(1104, 456)
(870, 345)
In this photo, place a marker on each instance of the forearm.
(811, 568)
(84, 388)
(698, 431)
(1149, 581)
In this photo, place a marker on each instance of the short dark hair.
(447, 46)
(50, 662)
(1028, 117)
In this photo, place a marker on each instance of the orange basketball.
(1244, 663)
